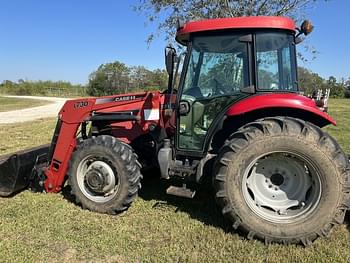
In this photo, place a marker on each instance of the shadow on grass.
(66, 192)
(347, 220)
(202, 207)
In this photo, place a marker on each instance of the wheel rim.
(281, 187)
(97, 180)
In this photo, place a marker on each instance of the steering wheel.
(219, 88)
(166, 91)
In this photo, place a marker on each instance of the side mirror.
(184, 107)
(170, 55)
(306, 27)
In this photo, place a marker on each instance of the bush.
(43, 88)
(347, 93)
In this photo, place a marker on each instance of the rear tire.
(104, 175)
(252, 188)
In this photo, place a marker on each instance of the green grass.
(15, 137)
(157, 227)
(339, 109)
(8, 104)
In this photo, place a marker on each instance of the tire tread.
(130, 163)
(275, 126)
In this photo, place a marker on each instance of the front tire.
(104, 175)
(282, 180)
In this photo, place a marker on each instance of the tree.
(347, 84)
(347, 88)
(140, 76)
(159, 78)
(167, 12)
(108, 79)
(310, 81)
(118, 78)
(336, 89)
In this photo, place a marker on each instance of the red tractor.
(235, 112)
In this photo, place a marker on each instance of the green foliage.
(347, 89)
(310, 81)
(337, 89)
(42, 88)
(118, 78)
(109, 78)
(159, 78)
(166, 12)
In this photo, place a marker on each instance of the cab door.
(217, 71)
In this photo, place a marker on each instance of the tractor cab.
(226, 61)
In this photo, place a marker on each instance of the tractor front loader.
(236, 113)
(16, 169)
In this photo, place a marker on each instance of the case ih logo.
(125, 98)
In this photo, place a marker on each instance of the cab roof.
(249, 22)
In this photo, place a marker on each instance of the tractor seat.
(194, 92)
(195, 115)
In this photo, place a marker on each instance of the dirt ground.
(29, 114)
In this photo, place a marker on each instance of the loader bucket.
(16, 169)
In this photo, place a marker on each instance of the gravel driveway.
(29, 114)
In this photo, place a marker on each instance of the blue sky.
(67, 40)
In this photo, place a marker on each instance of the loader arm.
(63, 143)
(76, 113)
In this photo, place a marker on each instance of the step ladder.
(181, 191)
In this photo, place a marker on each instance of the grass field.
(8, 104)
(157, 228)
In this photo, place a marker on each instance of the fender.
(278, 100)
